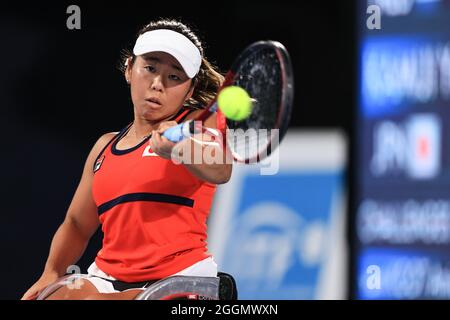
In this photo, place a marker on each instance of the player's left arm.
(203, 154)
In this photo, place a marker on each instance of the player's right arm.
(80, 223)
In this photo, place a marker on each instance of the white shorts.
(203, 268)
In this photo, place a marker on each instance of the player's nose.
(157, 83)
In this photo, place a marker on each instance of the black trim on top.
(180, 112)
(121, 132)
(145, 196)
(119, 152)
(185, 116)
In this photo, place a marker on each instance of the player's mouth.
(154, 102)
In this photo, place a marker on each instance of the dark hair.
(207, 81)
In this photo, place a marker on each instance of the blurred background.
(360, 207)
(400, 214)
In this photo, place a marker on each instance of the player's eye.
(174, 77)
(150, 68)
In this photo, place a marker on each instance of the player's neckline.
(120, 152)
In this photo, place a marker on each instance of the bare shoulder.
(100, 144)
(104, 139)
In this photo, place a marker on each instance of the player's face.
(159, 86)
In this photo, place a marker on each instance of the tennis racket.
(264, 70)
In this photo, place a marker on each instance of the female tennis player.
(153, 211)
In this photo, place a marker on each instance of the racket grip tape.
(181, 131)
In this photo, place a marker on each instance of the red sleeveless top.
(153, 212)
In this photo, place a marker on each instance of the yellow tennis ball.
(235, 103)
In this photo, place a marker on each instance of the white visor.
(173, 43)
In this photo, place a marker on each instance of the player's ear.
(128, 66)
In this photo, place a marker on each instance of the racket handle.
(179, 132)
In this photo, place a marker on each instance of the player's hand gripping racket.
(264, 70)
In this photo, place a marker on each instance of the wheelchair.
(222, 287)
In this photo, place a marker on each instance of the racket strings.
(261, 76)
(248, 144)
